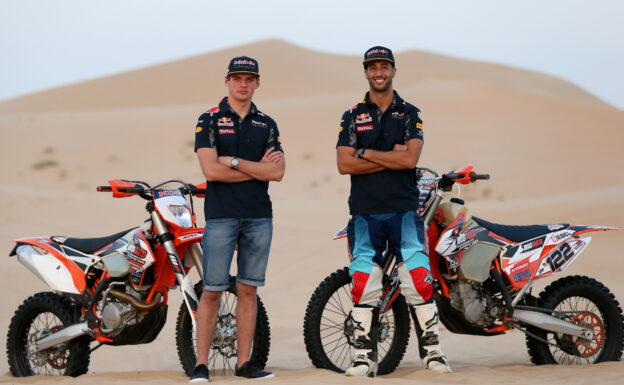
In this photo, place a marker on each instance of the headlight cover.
(182, 213)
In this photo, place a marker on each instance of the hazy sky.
(46, 43)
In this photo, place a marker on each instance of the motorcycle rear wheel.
(587, 303)
(222, 356)
(324, 327)
(39, 316)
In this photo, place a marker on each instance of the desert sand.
(554, 153)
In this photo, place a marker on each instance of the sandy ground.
(554, 153)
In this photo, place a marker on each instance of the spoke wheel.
(38, 317)
(328, 329)
(223, 350)
(585, 302)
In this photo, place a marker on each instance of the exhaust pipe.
(134, 302)
(550, 323)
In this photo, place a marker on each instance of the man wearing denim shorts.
(379, 144)
(239, 152)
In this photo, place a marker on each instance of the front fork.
(186, 285)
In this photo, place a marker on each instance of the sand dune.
(553, 150)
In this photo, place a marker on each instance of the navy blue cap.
(243, 65)
(378, 53)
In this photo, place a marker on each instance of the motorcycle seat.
(91, 245)
(519, 233)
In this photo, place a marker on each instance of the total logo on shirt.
(225, 122)
(225, 131)
(364, 128)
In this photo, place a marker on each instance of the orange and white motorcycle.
(113, 290)
(482, 277)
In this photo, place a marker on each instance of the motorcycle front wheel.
(584, 302)
(327, 336)
(223, 352)
(39, 316)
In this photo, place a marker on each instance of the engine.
(117, 314)
(474, 302)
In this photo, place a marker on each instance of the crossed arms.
(400, 158)
(218, 168)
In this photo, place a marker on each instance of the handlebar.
(123, 188)
(131, 190)
(194, 190)
(447, 180)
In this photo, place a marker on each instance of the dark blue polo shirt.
(222, 129)
(364, 125)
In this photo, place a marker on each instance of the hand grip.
(198, 191)
(131, 190)
(480, 176)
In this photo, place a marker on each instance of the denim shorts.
(221, 236)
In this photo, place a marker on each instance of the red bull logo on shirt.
(363, 118)
(225, 122)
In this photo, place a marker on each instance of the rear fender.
(580, 229)
(50, 265)
(560, 257)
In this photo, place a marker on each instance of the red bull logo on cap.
(244, 62)
(377, 50)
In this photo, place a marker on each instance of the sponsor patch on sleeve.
(198, 129)
(419, 125)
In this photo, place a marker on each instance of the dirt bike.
(482, 278)
(114, 290)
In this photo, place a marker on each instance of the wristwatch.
(360, 152)
(234, 163)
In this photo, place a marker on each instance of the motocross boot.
(364, 361)
(429, 338)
